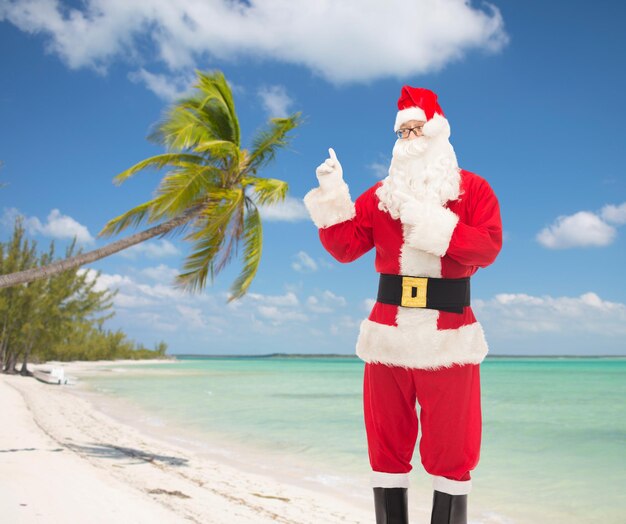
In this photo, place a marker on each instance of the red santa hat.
(417, 103)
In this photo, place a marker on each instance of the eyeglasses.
(406, 133)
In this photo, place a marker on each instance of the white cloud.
(379, 169)
(510, 314)
(127, 292)
(614, 214)
(151, 249)
(279, 316)
(289, 210)
(276, 101)
(128, 301)
(303, 263)
(275, 309)
(192, 315)
(166, 87)
(57, 225)
(160, 273)
(157, 321)
(195, 319)
(368, 304)
(341, 41)
(288, 299)
(134, 294)
(583, 229)
(256, 323)
(344, 325)
(326, 302)
(105, 280)
(198, 311)
(162, 291)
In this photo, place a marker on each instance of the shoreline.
(152, 479)
(251, 457)
(120, 438)
(352, 356)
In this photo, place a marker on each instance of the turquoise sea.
(554, 429)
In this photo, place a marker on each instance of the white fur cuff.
(452, 487)
(330, 207)
(429, 227)
(389, 480)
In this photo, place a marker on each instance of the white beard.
(423, 170)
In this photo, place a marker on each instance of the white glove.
(330, 174)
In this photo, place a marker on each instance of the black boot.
(449, 509)
(391, 505)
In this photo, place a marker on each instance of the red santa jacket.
(450, 241)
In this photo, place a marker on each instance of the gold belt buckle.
(414, 291)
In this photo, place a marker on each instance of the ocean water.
(554, 429)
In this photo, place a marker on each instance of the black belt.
(445, 294)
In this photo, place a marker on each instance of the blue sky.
(533, 92)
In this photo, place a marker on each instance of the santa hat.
(417, 103)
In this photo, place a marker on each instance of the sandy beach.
(63, 460)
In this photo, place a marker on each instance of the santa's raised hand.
(329, 173)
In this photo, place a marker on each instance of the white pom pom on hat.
(437, 126)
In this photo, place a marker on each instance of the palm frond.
(208, 114)
(159, 162)
(210, 236)
(268, 141)
(133, 217)
(180, 188)
(183, 127)
(215, 87)
(198, 265)
(267, 190)
(233, 237)
(218, 120)
(219, 149)
(253, 246)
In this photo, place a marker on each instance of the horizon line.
(349, 355)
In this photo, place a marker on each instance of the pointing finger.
(332, 154)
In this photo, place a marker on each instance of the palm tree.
(210, 192)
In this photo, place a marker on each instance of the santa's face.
(411, 130)
(423, 168)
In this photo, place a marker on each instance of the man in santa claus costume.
(432, 225)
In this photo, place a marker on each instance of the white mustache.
(410, 148)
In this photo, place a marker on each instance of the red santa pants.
(450, 416)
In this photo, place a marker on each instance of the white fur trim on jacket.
(429, 226)
(410, 113)
(417, 343)
(328, 208)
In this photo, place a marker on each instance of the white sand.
(61, 460)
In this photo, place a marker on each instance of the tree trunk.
(4, 364)
(3, 345)
(11, 364)
(55, 268)
(24, 371)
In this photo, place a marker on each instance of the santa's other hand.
(329, 174)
